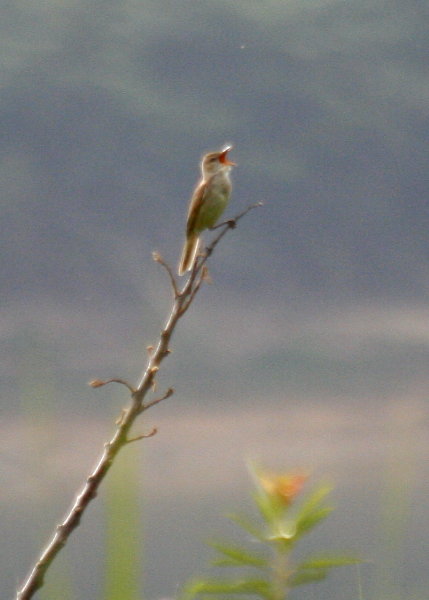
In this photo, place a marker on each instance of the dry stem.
(181, 302)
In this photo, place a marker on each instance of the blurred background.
(311, 347)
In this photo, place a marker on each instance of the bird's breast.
(214, 203)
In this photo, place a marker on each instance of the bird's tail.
(189, 253)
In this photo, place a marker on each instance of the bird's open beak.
(224, 159)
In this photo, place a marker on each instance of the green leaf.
(271, 508)
(307, 576)
(316, 568)
(324, 561)
(237, 556)
(192, 589)
(315, 499)
(312, 511)
(256, 587)
(306, 524)
(247, 524)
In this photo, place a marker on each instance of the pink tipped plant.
(267, 569)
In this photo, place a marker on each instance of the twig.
(96, 383)
(158, 258)
(143, 436)
(182, 300)
(227, 225)
(167, 394)
(197, 281)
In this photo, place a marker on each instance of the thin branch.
(96, 383)
(196, 284)
(143, 436)
(167, 394)
(227, 226)
(158, 258)
(181, 302)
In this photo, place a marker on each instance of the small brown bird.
(208, 202)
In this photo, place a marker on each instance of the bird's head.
(213, 162)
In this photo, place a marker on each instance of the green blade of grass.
(237, 556)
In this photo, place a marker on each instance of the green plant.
(267, 569)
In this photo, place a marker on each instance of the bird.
(208, 202)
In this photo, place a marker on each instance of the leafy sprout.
(265, 567)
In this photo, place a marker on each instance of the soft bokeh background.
(310, 349)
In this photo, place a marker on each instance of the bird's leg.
(231, 224)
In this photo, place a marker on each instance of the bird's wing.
(195, 205)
